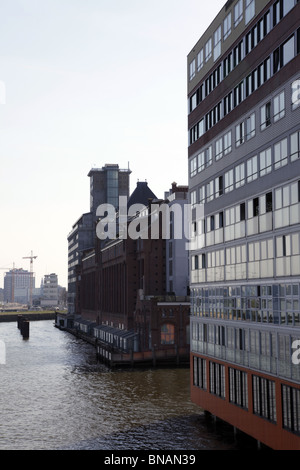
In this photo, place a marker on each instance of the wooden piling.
(25, 329)
(19, 321)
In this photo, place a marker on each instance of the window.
(193, 167)
(209, 191)
(296, 88)
(196, 132)
(243, 211)
(227, 26)
(228, 64)
(217, 379)
(265, 162)
(208, 50)
(209, 156)
(204, 159)
(201, 162)
(228, 103)
(217, 43)
(287, 6)
(192, 69)
(277, 12)
(200, 372)
(240, 134)
(255, 203)
(250, 10)
(284, 54)
(228, 181)
(218, 186)
(252, 172)
(291, 408)
(193, 198)
(238, 388)
(240, 175)
(250, 126)
(196, 262)
(265, 116)
(238, 13)
(167, 334)
(219, 148)
(238, 96)
(193, 102)
(200, 59)
(227, 143)
(202, 194)
(288, 50)
(279, 106)
(295, 146)
(238, 54)
(280, 154)
(269, 202)
(264, 398)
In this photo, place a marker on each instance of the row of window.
(272, 309)
(244, 131)
(213, 44)
(256, 215)
(265, 350)
(269, 67)
(257, 166)
(263, 392)
(232, 59)
(252, 260)
(245, 46)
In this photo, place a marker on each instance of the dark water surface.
(55, 395)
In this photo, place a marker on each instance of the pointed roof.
(141, 194)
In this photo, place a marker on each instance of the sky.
(84, 83)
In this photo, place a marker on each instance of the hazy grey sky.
(87, 82)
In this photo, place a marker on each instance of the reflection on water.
(55, 395)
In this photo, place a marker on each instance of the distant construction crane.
(32, 257)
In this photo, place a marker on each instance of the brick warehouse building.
(244, 167)
(123, 296)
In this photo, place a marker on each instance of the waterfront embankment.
(33, 315)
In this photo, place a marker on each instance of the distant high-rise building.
(50, 294)
(244, 167)
(107, 184)
(17, 285)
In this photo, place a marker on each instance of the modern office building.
(107, 184)
(17, 285)
(244, 171)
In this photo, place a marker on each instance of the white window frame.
(279, 106)
(249, 10)
(252, 169)
(227, 26)
(200, 60)
(192, 69)
(238, 13)
(208, 50)
(217, 42)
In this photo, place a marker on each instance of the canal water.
(55, 395)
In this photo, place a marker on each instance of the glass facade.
(245, 251)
